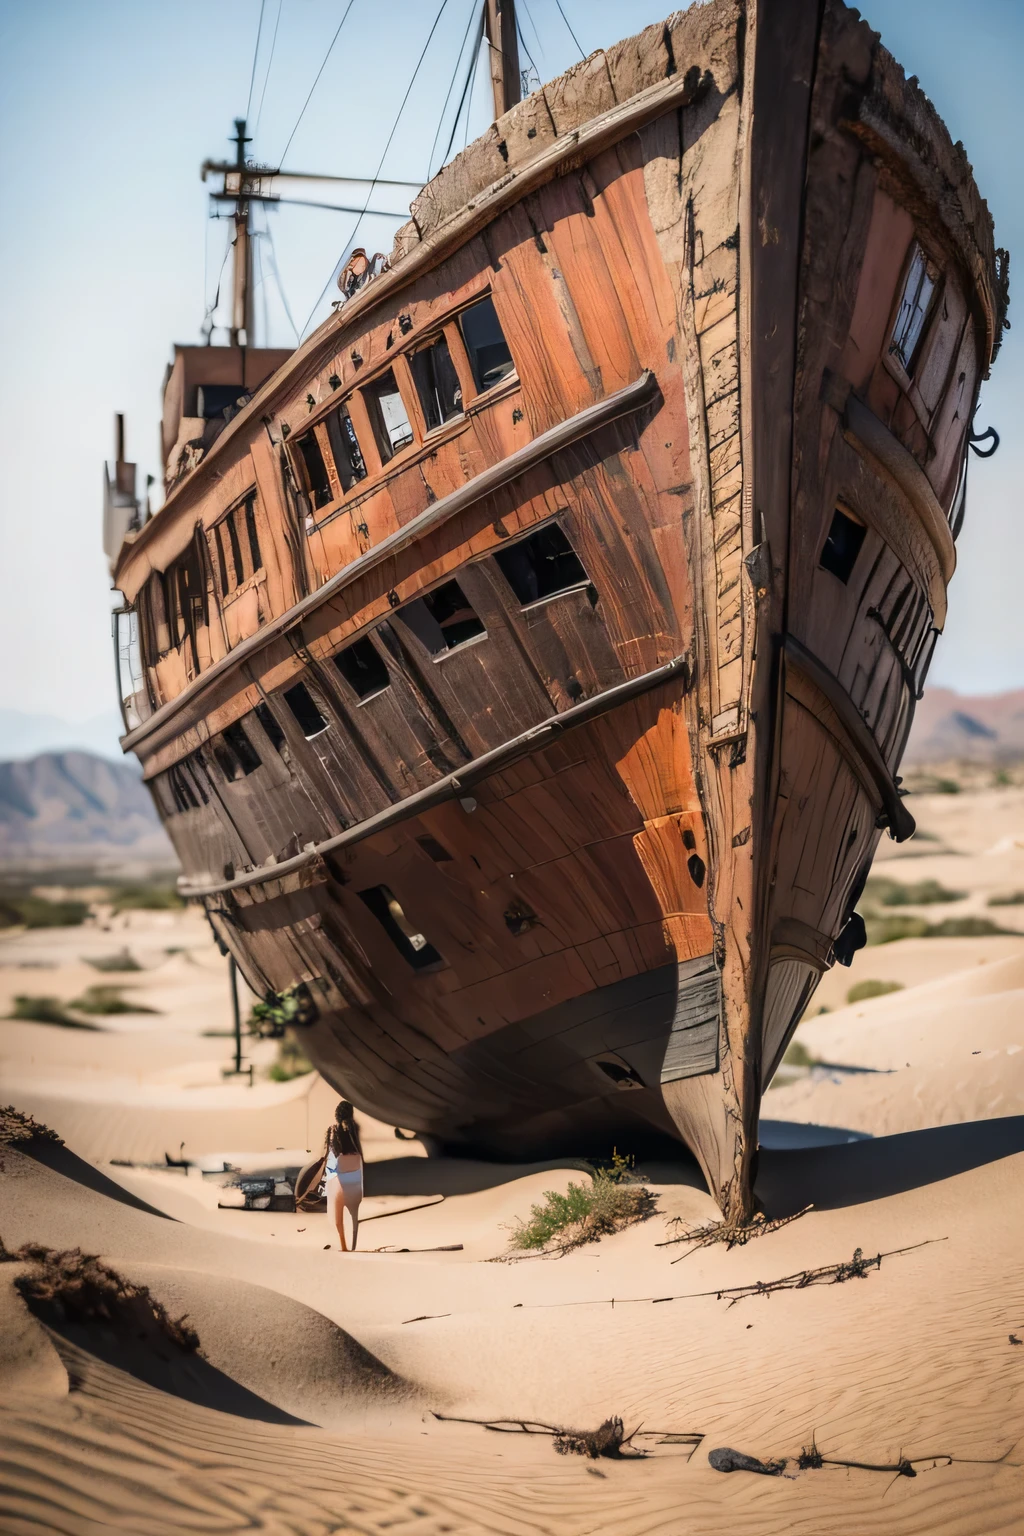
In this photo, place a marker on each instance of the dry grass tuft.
(615, 1199)
(16, 1126)
(70, 1286)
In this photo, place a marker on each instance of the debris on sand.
(856, 1268)
(724, 1459)
(16, 1126)
(609, 1439)
(732, 1233)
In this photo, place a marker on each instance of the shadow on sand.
(62, 1160)
(452, 1175)
(830, 1177)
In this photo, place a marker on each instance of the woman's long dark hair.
(343, 1135)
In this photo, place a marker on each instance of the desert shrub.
(37, 912)
(45, 1010)
(16, 1126)
(1010, 899)
(797, 1055)
(107, 999)
(584, 1213)
(146, 898)
(74, 1287)
(278, 1010)
(292, 1061)
(866, 989)
(122, 961)
(946, 787)
(915, 893)
(887, 930)
(965, 928)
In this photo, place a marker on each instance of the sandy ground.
(309, 1409)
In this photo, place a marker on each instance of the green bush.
(1011, 899)
(887, 930)
(37, 912)
(966, 928)
(45, 1010)
(916, 893)
(865, 989)
(292, 1061)
(583, 1214)
(106, 999)
(146, 898)
(797, 1055)
(122, 961)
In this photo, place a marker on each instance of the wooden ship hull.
(523, 672)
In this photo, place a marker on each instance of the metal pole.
(233, 974)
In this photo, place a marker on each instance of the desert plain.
(309, 1406)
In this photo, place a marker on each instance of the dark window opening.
(250, 528)
(318, 482)
(348, 457)
(214, 399)
(918, 292)
(842, 546)
(363, 668)
(303, 706)
(541, 565)
(222, 563)
(434, 850)
(273, 731)
(229, 765)
(489, 356)
(182, 793)
(620, 1073)
(411, 944)
(236, 552)
(437, 383)
(443, 619)
(391, 426)
(248, 758)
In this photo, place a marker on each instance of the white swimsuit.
(350, 1179)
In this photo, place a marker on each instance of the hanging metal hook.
(989, 435)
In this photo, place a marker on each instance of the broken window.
(443, 619)
(237, 546)
(541, 565)
(273, 731)
(915, 304)
(214, 399)
(489, 356)
(363, 668)
(182, 793)
(411, 944)
(348, 457)
(248, 758)
(315, 480)
(130, 669)
(304, 707)
(437, 383)
(388, 417)
(841, 548)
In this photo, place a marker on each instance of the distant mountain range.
(950, 727)
(74, 807)
(24, 735)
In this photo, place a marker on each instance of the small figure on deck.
(343, 1185)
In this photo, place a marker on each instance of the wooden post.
(241, 285)
(233, 975)
(503, 52)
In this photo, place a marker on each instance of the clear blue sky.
(107, 109)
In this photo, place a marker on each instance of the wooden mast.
(503, 52)
(241, 285)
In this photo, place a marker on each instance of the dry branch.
(732, 1233)
(856, 1268)
(608, 1439)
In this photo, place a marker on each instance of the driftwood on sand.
(609, 1439)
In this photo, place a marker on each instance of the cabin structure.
(525, 662)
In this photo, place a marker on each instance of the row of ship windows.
(538, 567)
(469, 357)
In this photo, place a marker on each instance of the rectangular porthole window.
(237, 546)
(411, 944)
(541, 565)
(489, 356)
(313, 471)
(391, 426)
(273, 731)
(304, 707)
(918, 291)
(841, 548)
(437, 383)
(443, 619)
(348, 456)
(245, 753)
(363, 668)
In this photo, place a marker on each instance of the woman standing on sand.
(343, 1184)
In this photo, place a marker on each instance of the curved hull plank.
(529, 663)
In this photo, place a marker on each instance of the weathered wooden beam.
(643, 391)
(456, 785)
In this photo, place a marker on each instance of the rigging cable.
(316, 82)
(536, 37)
(270, 65)
(277, 279)
(394, 129)
(474, 15)
(572, 34)
(255, 56)
(474, 62)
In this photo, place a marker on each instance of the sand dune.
(308, 1409)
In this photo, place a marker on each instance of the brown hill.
(72, 806)
(983, 728)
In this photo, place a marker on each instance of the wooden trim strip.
(864, 428)
(458, 784)
(576, 147)
(643, 391)
(856, 736)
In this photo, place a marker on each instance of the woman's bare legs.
(336, 1209)
(350, 1203)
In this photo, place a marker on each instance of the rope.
(572, 34)
(316, 82)
(474, 15)
(270, 65)
(255, 56)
